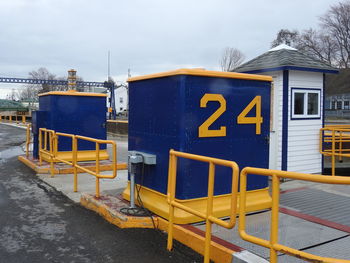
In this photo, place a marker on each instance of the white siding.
(275, 150)
(121, 99)
(303, 144)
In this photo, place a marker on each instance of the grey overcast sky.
(147, 36)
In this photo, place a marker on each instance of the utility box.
(217, 114)
(72, 112)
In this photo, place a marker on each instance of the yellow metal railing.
(273, 244)
(208, 215)
(28, 140)
(95, 173)
(48, 145)
(11, 118)
(338, 137)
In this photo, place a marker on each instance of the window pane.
(312, 104)
(333, 105)
(338, 105)
(298, 103)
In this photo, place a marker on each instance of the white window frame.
(306, 92)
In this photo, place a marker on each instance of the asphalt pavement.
(40, 224)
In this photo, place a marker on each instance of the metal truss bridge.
(53, 82)
(108, 85)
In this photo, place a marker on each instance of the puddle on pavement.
(11, 152)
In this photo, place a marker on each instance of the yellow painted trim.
(219, 253)
(204, 73)
(66, 170)
(82, 156)
(117, 121)
(158, 204)
(114, 216)
(73, 93)
(196, 242)
(33, 166)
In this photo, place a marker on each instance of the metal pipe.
(132, 190)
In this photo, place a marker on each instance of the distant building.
(121, 99)
(338, 102)
(297, 103)
(30, 104)
(9, 107)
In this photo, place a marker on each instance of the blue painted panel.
(284, 166)
(165, 114)
(80, 115)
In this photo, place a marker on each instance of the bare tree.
(31, 91)
(231, 59)
(336, 23)
(42, 73)
(330, 43)
(319, 45)
(285, 36)
(12, 95)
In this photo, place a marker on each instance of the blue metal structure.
(74, 113)
(166, 111)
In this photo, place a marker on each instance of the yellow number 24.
(204, 131)
(257, 119)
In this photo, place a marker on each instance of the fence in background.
(335, 143)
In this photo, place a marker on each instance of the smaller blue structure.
(72, 112)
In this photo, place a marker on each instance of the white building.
(121, 99)
(297, 107)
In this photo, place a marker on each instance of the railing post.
(171, 197)
(75, 169)
(208, 224)
(97, 169)
(274, 217)
(28, 140)
(333, 152)
(51, 145)
(40, 147)
(340, 143)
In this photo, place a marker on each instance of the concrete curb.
(14, 125)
